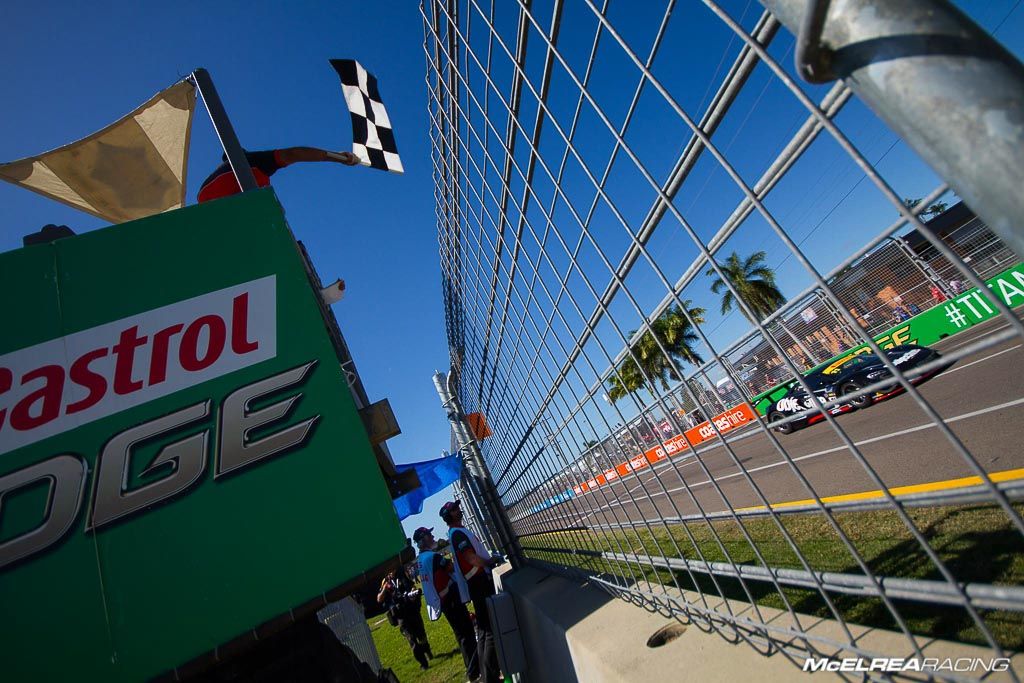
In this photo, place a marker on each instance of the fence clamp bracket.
(814, 60)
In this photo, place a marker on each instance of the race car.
(848, 377)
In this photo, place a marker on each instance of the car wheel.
(783, 428)
(859, 402)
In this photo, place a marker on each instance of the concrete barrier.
(577, 632)
(574, 631)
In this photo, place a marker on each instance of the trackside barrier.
(972, 240)
(734, 418)
(955, 315)
(604, 230)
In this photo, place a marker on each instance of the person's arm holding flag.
(222, 183)
(292, 155)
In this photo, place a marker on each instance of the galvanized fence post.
(470, 491)
(941, 82)
(478, 474)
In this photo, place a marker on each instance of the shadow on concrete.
(972, 553)
(972, 557)
(615, 644)
(545, 634)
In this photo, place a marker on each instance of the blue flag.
(435, 476)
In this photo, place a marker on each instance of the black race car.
(848, 377)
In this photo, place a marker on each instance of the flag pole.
(225, 131)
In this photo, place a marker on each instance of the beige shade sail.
(133, 168)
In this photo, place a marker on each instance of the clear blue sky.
(73, 68)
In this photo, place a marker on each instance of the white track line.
(975, 362)
(827, 451)
(689, 460)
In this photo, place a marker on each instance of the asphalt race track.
(981, 399)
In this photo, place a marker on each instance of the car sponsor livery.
(904, 357)
(64, 383)
(847, 377)
(792, 404)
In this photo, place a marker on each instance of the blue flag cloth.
(435, 476)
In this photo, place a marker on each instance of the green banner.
(943, 320)
(180, 457)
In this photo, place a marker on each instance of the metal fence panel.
(348, 622)
(650, 231)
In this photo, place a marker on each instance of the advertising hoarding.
(181, 459)
(945, 319)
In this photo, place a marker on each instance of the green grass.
(976, 543)
(395, 653)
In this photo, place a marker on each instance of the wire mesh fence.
(347, 621)
(662, 254)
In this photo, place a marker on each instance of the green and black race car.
(847, 379)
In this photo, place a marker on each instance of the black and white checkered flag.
(373, 141)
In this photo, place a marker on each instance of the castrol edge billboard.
(181, 460)
(64, 383)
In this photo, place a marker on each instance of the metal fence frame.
(517, 356)
(347, 621)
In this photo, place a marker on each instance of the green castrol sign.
(181, 459)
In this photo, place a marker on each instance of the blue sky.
(73, 68)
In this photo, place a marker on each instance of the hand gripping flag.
(373, 141)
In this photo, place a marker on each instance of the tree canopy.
(752, 280)
(676, 335)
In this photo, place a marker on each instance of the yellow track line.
(1005, 475)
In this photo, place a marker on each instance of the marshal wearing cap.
(422, 533)
(448, 507)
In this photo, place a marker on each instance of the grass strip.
(977, 543)
(395, 653)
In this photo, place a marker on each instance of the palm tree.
(624, 382)
(752, 280)
(931, 210)
(675, 333)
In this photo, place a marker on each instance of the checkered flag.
(373, 141)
